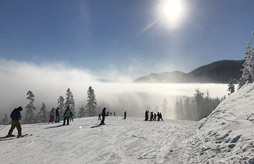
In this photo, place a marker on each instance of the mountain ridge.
(216, 72)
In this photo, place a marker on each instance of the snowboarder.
(67, 115)
(99, 118)
(151, 116)
(146, 115)
(15, 116)
(103, 114)
(52, 115)
(57, 115)
(124, 115)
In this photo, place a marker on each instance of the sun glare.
(172, 10)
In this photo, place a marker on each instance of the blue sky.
(112, 34)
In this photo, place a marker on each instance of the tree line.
(31, 116)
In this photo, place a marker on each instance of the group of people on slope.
(55, 115)
(153, 116)
(103, 114)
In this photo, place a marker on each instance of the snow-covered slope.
(228, 132)
(226, 136)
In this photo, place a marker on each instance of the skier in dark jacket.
(67, 115)
(125, 115)
(15, 116)
(103, 114)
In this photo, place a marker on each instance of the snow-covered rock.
(225, 136)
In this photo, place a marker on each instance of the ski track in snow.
(119, 141)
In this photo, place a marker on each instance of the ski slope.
(225, 136)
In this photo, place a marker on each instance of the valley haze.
(51, 80)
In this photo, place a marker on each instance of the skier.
(125, 115)
(57, 115)
(114, 113)
(146, 115)
(99, 118)
(151, 116)
(67, 115)
(103, 114)
(15, 116)
(52, 115)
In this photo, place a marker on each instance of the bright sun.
(172, 10)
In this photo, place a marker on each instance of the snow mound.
(227, 133)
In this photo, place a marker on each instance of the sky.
(129, 37)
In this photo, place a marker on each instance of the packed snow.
(225, 136)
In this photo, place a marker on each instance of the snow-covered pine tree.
(69, 101)
(72, 107)
(42, 116)
(60, 101)
(30, 118)
(91, 102)
(81, 112)
(231, 87)
(251, 62)
(246, 76)
(5, 120)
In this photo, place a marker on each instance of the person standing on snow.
(57, 115)
(103, 114)
(125, 115)
(71, 117)
(146, 115)
(154, 116)
(151, 116)
(15, 116)
(52, 115)
(67, 115)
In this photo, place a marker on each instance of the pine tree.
(246, 76)
(5, 120)
(231, 87)
(60, 102)
(81, 112)
(69, 101)
(91, 103)
(42, 116)
(30, 118)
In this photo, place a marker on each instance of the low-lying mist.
(49, 81)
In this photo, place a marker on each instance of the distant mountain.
(216, 72)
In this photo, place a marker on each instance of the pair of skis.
(14, 137)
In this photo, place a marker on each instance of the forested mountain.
(216, 72)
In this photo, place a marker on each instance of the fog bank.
(49, 81)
